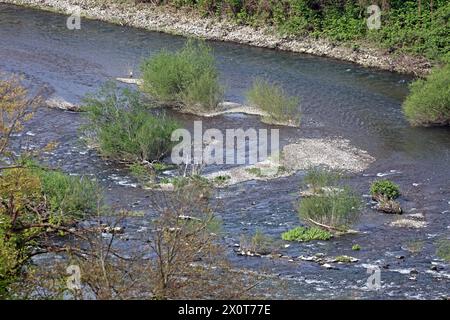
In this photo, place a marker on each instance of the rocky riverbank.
(188, 23)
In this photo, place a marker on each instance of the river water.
(338, 99)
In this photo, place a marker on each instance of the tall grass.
(272, 98)
(318, 178)
(188, 77)
(338, 209)
(122, 127)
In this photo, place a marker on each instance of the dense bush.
(306, 234)
(71, 196)
(429, 100)
(408, 26)
(273, 100)
(384, 188)
(188, 77)
(122, 127)
(338, 209)
(34, 203)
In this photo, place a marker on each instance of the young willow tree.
(429, 101)
(35, 203)
(16, 107)
(187, 77)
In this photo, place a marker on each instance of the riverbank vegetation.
(332, 206)
(318, 179)
(385, 192)
(124, 129)
(36, 203)
(187, 77)
(384, 188)
(63, 219)
(429, 101)
(273, 100)
(336, 210)
(406, 26)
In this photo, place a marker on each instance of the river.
(338, 99)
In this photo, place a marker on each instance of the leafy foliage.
(303, 234)
(274, 101)
(35, 203)
(188, 77)
(384, 188)
(124, 129)
(429, 100)
(16, 108)
(407, 26)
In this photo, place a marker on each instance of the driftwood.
(330, 228)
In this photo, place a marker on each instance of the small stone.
(400, 257)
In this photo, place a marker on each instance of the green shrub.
(273, 100)
(34, 203)
(402, 29)
(443, 250)
(429, 100)
(123, 129)
(356, 247)
(69, 195)
(9, 261)
(259, 243)
(338, 209)
(303, 234)
(384, 188)
(188, 76)
(318, 178)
